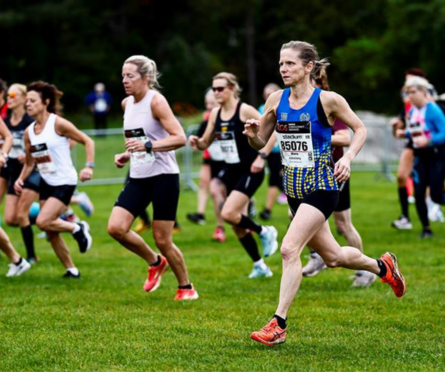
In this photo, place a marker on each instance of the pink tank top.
(140, 124)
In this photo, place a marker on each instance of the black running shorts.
(324, 201)
(62, 192)
(239, 179)
(344, 198)
(161, 190)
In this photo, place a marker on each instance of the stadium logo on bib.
(283, 116)
(305, 117)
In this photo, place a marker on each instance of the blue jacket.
(435, 123)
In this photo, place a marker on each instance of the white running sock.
(76, 228)
(73, 270)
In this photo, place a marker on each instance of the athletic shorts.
(275, 168)
(324, 201)
(12, 172)
(62, 192)
(161, 190)
(239, 179)
(344, 198)
(216, 167)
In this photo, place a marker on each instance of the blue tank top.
(298, 182)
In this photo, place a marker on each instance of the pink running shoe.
(154, 275)
(219, 235)
(186, 294)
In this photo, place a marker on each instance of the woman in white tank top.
(47, 145)
(152, 134)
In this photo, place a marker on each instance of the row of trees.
(75, 43)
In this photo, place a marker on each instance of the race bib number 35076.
(295, 140)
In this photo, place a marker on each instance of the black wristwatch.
(148, 146)
(263, 155)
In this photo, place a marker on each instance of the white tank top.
(140, 124)
(51, 153)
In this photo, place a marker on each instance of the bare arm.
(341, 138)
(7, 137)
(259, 131)
(28, 166)
(209, 134)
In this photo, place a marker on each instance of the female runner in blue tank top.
(302, 117)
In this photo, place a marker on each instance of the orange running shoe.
(186, 294)
(271, 334)
(154, 275)
(219, 235)
(393, 276)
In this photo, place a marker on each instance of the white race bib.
(140, 157)
(295, 141)
(18, 145)
(215, 151)
(43, 158)
(228, 147)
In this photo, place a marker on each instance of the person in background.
(342, 212)
(99, 101)
(3, 101)
(426, 130)
(243, 172)
(17, 207)
(18, 265)
(273, 162)
(212, 164)
(406, 160)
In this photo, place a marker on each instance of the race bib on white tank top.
(139, 157)
(215, 151)
(228, 146)
(295, 141)
(43, 159)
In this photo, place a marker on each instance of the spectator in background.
(3, 102)
(99, 102)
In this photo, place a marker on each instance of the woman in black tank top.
(243, 172)
(18, 264)
(17, 207)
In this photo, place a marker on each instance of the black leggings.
(429, 170)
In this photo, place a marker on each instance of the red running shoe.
(271, 334)
(219, 235)
(393, 276)
(154, 275)
(186, 294)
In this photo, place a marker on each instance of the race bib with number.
(18, 145)
(215, 151)
(139, 157)
(228, 147)
(43, 159)
(295, 141)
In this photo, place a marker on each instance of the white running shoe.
(314, 266)
(85, 203)
(363, 278)
(259, 272)
(17, 270)
(269, 241)
(402, 223)
(435, 213)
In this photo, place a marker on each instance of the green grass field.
(105, 321)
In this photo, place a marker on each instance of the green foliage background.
(75, 43)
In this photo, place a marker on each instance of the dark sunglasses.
(218, 89)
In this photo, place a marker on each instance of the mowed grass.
(105, 321)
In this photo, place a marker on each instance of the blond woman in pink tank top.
(152, 133)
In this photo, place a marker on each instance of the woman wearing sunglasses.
(244, 170)
(18, 265)
(17, 207)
